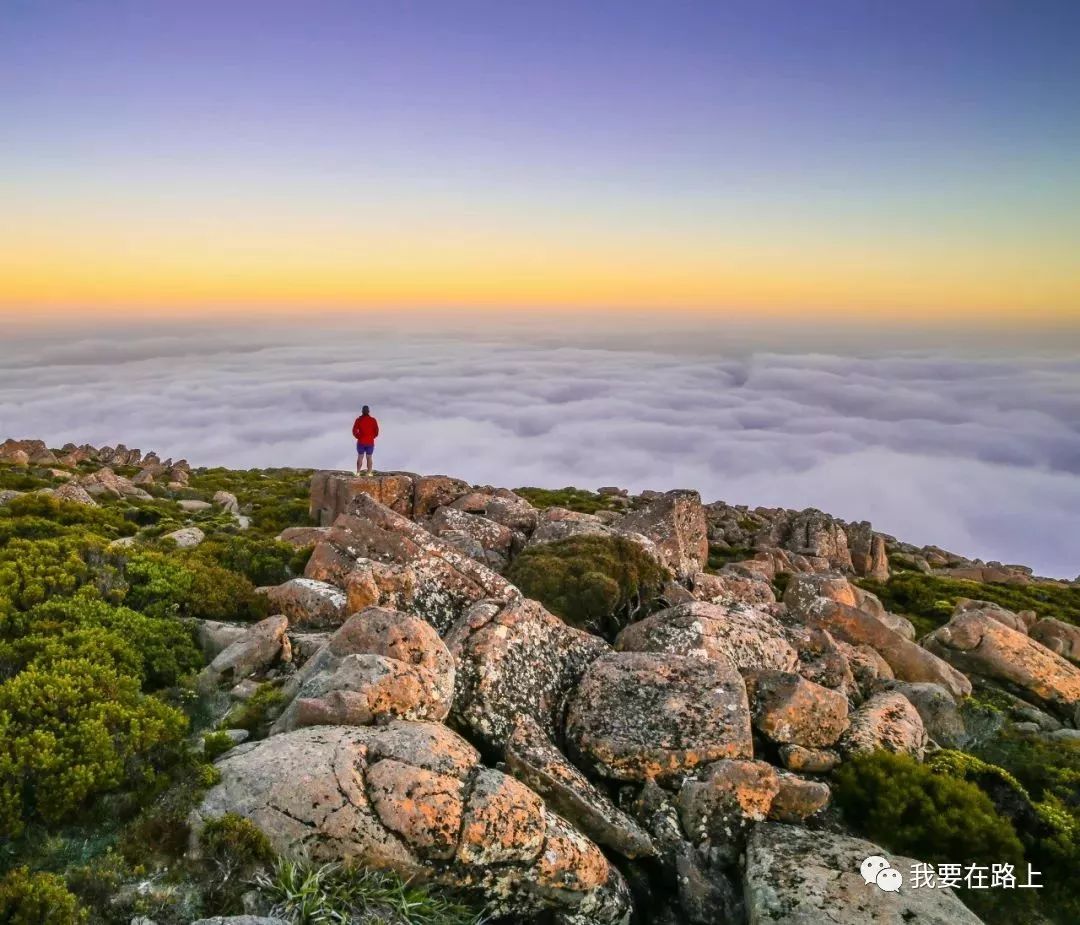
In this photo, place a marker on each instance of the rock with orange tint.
(808, 760)
(533, 759)
(736, 635)
(1060, 638)
(887, 721)
(408, 567)
(423, 808)
(909, 661)
(804, 589)
(412, 797)
(431, 492)
(308, 603)
(798, 798)
(868, 668)
(331, 493)
(516, 659)
(731, 589)
(512, 511)
(379, 665)
(503, 822)
(642, 715)
(719, 808)
(980, 644)
(788, 709)
(675, 523)
(480, 538)
(301, 537)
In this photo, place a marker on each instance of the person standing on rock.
(365, 429)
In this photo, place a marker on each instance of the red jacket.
(365, 428)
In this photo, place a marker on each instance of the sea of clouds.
(974, 450)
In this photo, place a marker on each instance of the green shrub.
(171, 584)
(573, 499)
(37, 899)
(908, 808)
(255, 713)
(277, 498)
(931, 598)
(262, 561)
(215, 744)
(165, 648)
(73, 731)
(599, 583)
(237, 840)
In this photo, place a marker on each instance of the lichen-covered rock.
(869, 556)
(795, 876)
(731, 589)
(516, 659)
(533, 759)
(675, 522)
(718, 809)
(332, 492)
(738, 635)
(909, 662)
(808, 760)
(868, 668)
(816, 535)
(940, 715)
(403, 565)
(980, 644)
(886, 721)
(308, 603)
(788, 709)
(300, 537)
(75, 494)
(379, 665)
(512, 511)
(227, 501)
(411, 797)
(1021, 622)
(798, 798)
(186, 537)
(641, 715)
(493, 541)
(1060, 638)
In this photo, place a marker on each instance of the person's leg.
(370, 465)
(359, 463)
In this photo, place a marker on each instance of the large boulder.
(908, 661)
(789, 710)
(413, 798)
(76, 494)
(735, 634)
(816, 535)
(718, 809)
(331, 493)
(378, 666)
(978, 643)
(533, 759)
(1060, 638)
(727, 588)
(887, 721)
(308, 603)
(478, 537)
(398, 563)
(795, 876)
(675, 522)
(940, 715)
(516, 659)
(642, 715)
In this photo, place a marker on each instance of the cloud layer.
(980, 454)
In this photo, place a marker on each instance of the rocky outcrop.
(727, 588)
(478, 537)
(938, 710)
(719, 808)
(74, 493)
(413, 496)
(382, 557)
(413, 797)
(675, 522)
(980, 644)
(380, 665)
(789, 710)
(795, 876)
(516, 659)
(1060, 638)
(886, 721)
(736, 635)
(869, 556)
(308, 603)
(641, 715)
(816, 535)
(533, 759)
(251, 652)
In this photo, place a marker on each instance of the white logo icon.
(877, 870)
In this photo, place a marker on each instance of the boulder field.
(435, 721)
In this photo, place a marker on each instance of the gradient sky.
(914, 160)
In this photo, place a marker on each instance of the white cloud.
(976, 453)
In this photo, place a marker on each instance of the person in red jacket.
(365, 429)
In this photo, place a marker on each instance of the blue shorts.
(364, 449)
